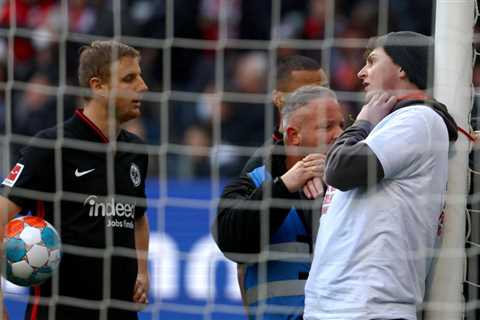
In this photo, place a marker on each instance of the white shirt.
(372, 251)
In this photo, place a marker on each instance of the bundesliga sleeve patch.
(13, 175)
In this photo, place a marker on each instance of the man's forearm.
(142, 233)
(237, 227)
(8, 210)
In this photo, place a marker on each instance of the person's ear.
(278, 99)
(402, 74)
(292, 136)
(98, 87)
(323, 78)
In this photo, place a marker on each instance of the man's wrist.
(280, 189)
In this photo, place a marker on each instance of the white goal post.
(454, 20)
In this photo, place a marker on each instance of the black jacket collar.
(87, 130)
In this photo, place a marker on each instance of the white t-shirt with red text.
(373, 248)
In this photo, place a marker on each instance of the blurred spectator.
(240, 123)
(250, 73)
(346, 61)
(212, 15)
(255, 21)
(412, 15)
(185, 26)
(149, 16)
(197, 162)
(362, 20)
(35, 109)
(3, 143)
(256, 17)
(314, 25)
(29, 14)
(3, 78)
(244, 122)
(30, 110)
(39, 108)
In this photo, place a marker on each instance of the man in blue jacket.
(264, 217)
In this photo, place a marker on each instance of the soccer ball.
(32, 249)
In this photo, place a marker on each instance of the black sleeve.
(37, 173)
(257, 159)
(349, 162)
(237, 227)
(141, 209)
(141, 160)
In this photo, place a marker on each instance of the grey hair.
(301, 97)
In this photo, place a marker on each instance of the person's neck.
(98, 113)
(406, 90)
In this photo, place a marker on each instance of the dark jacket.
(244, 208)
(262, 153)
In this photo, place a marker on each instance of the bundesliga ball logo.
(32, 249)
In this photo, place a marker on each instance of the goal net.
(210, 68)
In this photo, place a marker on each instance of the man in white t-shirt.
(373, 248)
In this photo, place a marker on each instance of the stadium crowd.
(41, 57)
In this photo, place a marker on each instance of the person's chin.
(136, 110)
(136, 114)
(130, 116)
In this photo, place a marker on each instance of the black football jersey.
(92, 193)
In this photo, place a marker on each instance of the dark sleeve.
(37, 174)
(237, 227)
(349, 162)
(257, 159)
(141, 160)
(141, 209)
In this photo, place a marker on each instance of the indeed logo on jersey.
(109, 208)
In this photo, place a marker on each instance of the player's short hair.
(412, 51)
(96, 59)
(301, 97)
(288, 64)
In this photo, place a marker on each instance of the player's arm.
(4, 310)
(142, 284)
(241, 284)
(25, 174)
(8, 210)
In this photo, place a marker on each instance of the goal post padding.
(452, 85)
